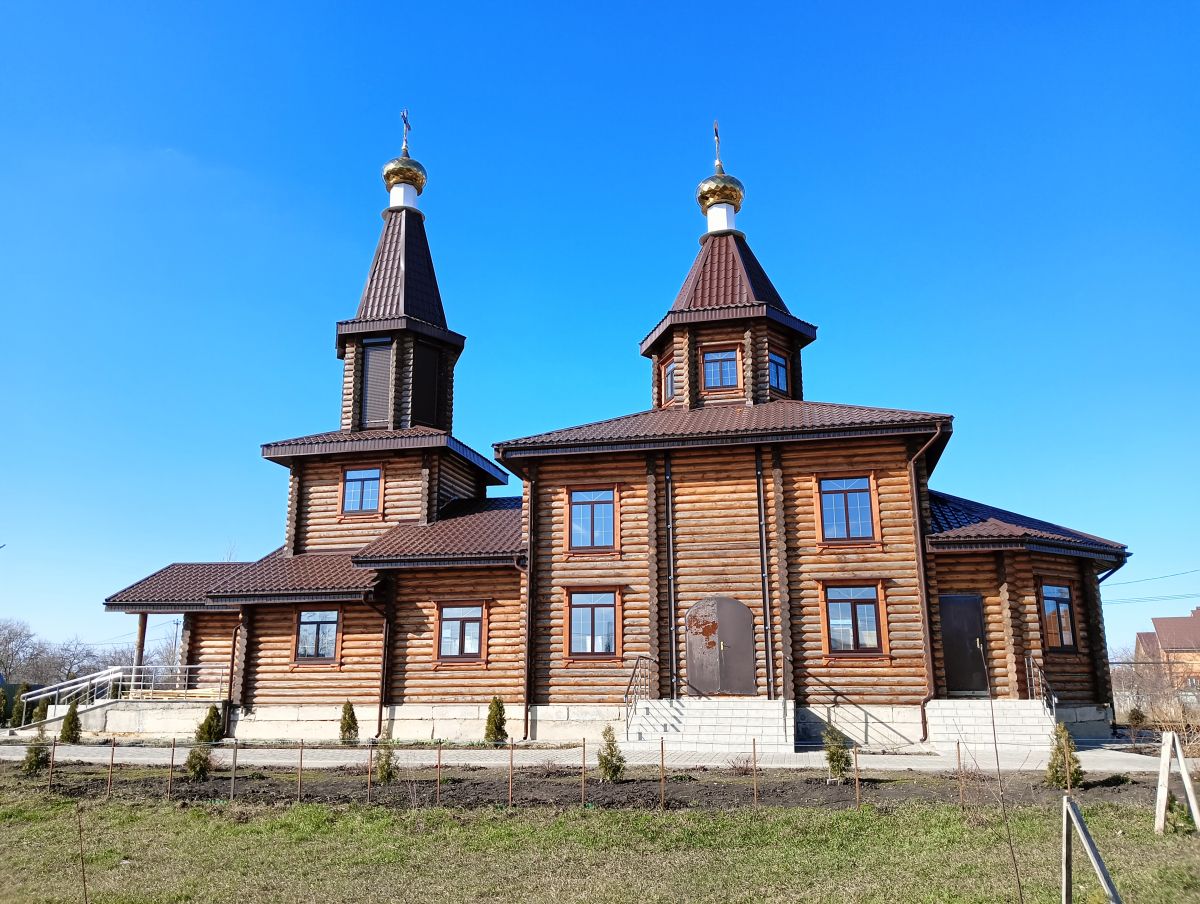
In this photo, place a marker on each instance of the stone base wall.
(877, 729)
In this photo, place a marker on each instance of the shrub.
(1064, 770)
(72, 728)
(211, 729)
(3, 705)
(18, 708)
(199, 763)
(1136, 720)
(37, 755)
(494, 732)
(385, 764)
(837, 758)
(42, 711)
(349, 727)
(612, 761)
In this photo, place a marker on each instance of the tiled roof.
(465, 530)
(958, 521)
(1147, 644)
(309, 573)
(402, 282)
(1178, 632)
(183, 582)
(663, 427)
(342, 441)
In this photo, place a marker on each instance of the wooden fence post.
(112, 755)
(300, 774)
(370, 767)
(171, 769)
(511, 749)
(662, 773)
(857, 783)
(1188, 789)
(583, 776)
(1067, 882)
(437, 793)
(754, 767)
(233, 770)
(962, 805)
(1164, 778)
(53, 751)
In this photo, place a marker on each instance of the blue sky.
(988, 211)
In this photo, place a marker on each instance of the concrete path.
(1099, 760)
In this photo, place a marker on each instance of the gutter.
(672, 631)
(385, 662)
(530, 597)
(768, 629)
(922, 578)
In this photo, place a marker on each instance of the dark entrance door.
(962, 645)
(720, 647)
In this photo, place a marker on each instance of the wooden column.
(652, 568)
(139, 650)
(185, 639)
(782, 577)
(1095, 621)
(240, 659)
(427, 492)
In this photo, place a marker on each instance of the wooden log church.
(734, 561)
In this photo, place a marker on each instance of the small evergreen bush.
(198, 764)
(42, 711)
(385, 764)
(1064, 763)
(837, 757)
(19, 709)
(612, 761)
(1136, 720)
(72, 728)
(211, 729)
(3, 706)
(349, 727)
(494, 732)
(37, 755)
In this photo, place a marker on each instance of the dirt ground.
(476, 787)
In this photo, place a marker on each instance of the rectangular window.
(853, 614)
(376, 382)
(778, 366)
(846, 509)
(1058, 617)
(316, 635)
(462, 632)
(720, 369)
(668, 381)
(592, 519)
(593, 624)
(360, 490)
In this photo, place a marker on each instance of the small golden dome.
(720, 188)
(404, 169)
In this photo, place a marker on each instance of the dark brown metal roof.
(1178, 632)
(309, 575)
(183, 584)
(477, 531)
(342, 441)
(958, 523)
(725, 282)
(776, 421)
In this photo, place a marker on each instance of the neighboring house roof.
(285, 451)
(776, 421)
(467, 532)
(1176, 633)
(726, 282)
(958, 523)
(318, 577)
(176, 588)
(1147, 644)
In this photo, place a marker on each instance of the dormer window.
(360, 491)
(721, 369)
(668, 381)
(376, 382)
(777, 367)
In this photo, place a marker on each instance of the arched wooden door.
(720, 647)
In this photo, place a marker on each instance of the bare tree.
(17, 646)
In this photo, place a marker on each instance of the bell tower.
(399, 353)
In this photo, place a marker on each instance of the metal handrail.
(638, 688)
(142, 682)
(1039, 686)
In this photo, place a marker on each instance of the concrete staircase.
(714, 725)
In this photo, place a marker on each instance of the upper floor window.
(721, 369)
(846, 509)
(592, 519)
(593, 627)
(461, 635)
(668, 381)
(1058, 617)
(316, 635)
(853, 614)
(376, 387)
(778, 371)
(360, 490)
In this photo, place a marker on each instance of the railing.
(1039, 686)
(641, 681)
(130, 682)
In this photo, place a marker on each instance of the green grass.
(159, 852)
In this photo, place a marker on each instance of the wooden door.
(963, 645)
(720, 647)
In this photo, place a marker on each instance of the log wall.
(209, 645)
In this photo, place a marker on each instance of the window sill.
(1064, 651)
(464, 663)
(360, 516)
(850, 544)
(603, 553)
(577, 660)
(831, 658)
(319, 665)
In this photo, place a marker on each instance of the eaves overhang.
(311, 596)
(385, 563)
(1050, 547)
(806, 331)
(383, 326)
(168, 608)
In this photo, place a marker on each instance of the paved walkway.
(1100, 760)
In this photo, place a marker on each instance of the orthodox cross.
(717, 142)
(407, 128)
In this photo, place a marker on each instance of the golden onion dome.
(404, 169)
(720, 188)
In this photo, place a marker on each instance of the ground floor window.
(461, 634)
(853, 619)
(593, 624)
(316, 635)
(1058, 617)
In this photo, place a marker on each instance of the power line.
(1161, 577)
(1168, 598)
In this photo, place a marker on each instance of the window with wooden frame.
(360, 491)
(316, 635)
(1058, 617)
(721, 369)
(592, 624)
(846, 511)
(461, 631)
(667, 380)
(592, 519)
(777, 371)
(852, 620)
